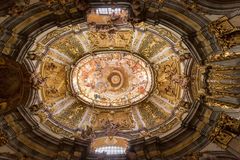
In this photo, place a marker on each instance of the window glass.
(111, 150)
(108, 10)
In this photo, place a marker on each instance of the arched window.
(111, 150)
(108, 11)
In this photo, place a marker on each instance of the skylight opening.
(111, 150)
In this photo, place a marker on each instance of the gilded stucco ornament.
(225, 130)
(19, 7)
(192, 6)
(183, 107)
(60, 7)
(154, 6)
(169, 80)
(148, 109)
(227, 55)
(137, 73)
(225, 32)
(42, 116)
(88, 133)
(104, 41)
(163, 107)
(34, 109)
(220, 104)
(36, 54)
(116, 120)
(145, 133)
(111, 129)
(185, 56)
(37, 80)
(3, 138)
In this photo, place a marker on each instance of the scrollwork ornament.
(88, 133)
(42, 116)
(34, 109)
(3, 138)
(19, 7)
(58, 6)
(192, 6)
(154, 5)
(225, 130)
(221, 137)
(230, 124)
(183, 107)
(226, 33)
(227, 55)
(145, 133)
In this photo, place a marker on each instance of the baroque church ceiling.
(157, 78)
(132, 79)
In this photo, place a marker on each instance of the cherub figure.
(37, 80)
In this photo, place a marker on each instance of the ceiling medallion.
(112, 79)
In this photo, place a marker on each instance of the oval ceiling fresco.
(112, 79)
